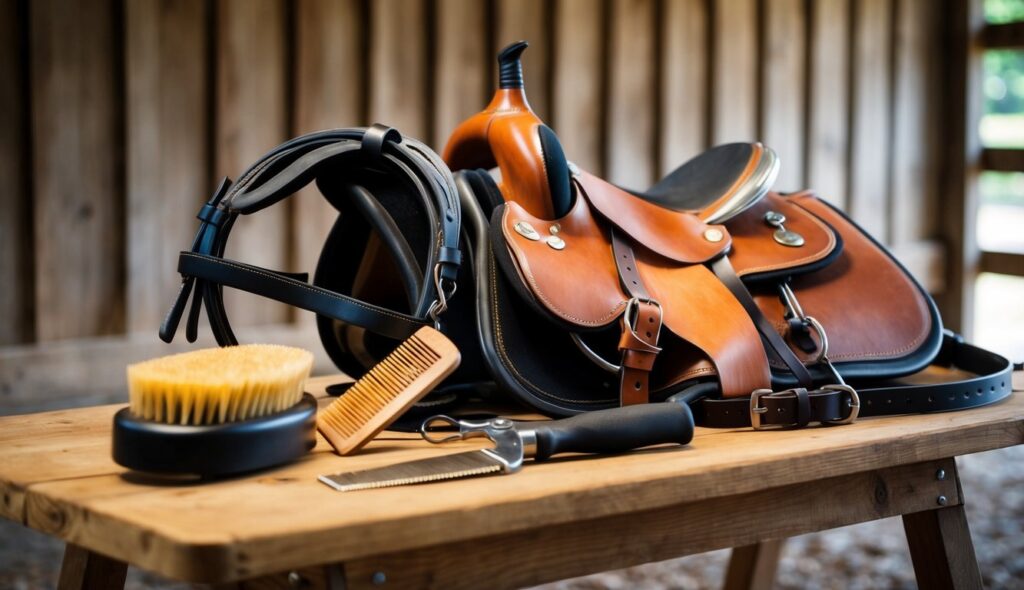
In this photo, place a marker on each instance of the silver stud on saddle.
(526, 230)
(783, 235)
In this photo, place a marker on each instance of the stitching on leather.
(806, 259)
(500, 342)
(603, 321)
(326, 293)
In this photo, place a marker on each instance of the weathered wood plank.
(915, 122)
(398, 71)
(577, 105)
(167, 529)
(870, 141)
(782, 95)
(684, 118)
(734, 71)
(940, 543)
(828, 100)
(87, 372)
(960, 158)
(330, 76)
(632, 94)
(926, 261)
(15, 200)
(569, 550)
(167, 159)
(463, 64)
(528, 20)
(77, 169)
(251, 119)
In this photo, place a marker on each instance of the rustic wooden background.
(117, 117)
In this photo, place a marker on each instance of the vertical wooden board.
(828, 100)
(462, 66)
(782, 106)
(632, 93)
(734, 71)
(329, 93)
(15, 200)
(251, 119)
(578, 79)
(870, 140)
(684, 88)
(77, 169)
(528, 20)
(915, 122)
(398, 62)
(167, 168)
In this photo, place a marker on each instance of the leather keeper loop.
(213, 215)
(639, 359)
(803, 407)
(374, 138)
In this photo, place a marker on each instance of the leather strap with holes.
(787, 409)
(639, 341)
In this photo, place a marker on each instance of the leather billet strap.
(279, 174)
(641, 325)
(781, 409)
(725, 273)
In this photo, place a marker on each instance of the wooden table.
(569, 517)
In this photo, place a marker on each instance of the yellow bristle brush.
(390, 388)
(218, 385)
(217, 411)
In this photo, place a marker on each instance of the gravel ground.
(870, 555)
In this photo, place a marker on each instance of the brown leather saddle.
(753, 306)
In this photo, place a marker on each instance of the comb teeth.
(456, 466)
(392, 386)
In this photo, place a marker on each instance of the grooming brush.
(390, 388)
(217, 411)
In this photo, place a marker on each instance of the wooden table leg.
(87, 570)
(941, 548)
(752, 567)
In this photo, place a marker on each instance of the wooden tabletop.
(56, 476)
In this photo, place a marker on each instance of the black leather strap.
(280, 173)
(725, 273)
(992, 384)
(281, 287)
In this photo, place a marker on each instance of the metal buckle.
(755, 407)
(854, 404)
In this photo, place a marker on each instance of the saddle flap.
(757, 255)
(566, 264)
(676, 235)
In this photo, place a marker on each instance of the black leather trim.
(992, 384)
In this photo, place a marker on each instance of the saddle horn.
(508, 135)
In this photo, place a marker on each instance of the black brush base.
(216, 450)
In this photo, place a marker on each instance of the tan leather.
(639, 346)
(673, 234)
(755, 251)
(700, 309)
(868, 307)
(505, 135)
(578, 284)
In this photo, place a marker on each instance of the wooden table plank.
(238, 528)
(577, 548)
